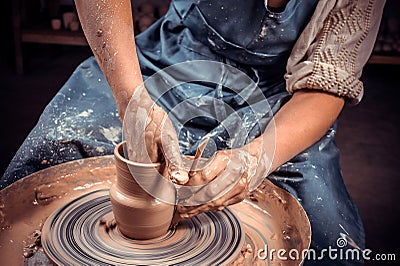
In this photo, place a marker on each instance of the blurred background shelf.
(50, 36)
(384, 59)
(31, 24)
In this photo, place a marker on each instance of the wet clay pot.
(138, 215)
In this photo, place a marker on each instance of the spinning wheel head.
(73, 236)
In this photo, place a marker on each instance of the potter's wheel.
(75, 237)
(270, 218)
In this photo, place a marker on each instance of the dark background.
(368, 133)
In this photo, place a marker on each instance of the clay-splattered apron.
(81, 121)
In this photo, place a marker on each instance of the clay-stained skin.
(105, 19)
(108, 27)
(251, 163)
(226, 180)
(151, 137)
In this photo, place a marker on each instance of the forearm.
(301, 122)
(108, 28)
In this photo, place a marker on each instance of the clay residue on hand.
(151, 137)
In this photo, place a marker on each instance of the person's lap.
(80, 121)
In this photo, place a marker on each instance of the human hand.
(230, 176)
(151, 137)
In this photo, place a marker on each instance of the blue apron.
(82, 121)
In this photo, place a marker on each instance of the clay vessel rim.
(119, 149)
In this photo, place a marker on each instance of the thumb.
(175, 168)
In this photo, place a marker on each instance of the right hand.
(234, 173)
(150, 134)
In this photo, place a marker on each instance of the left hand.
(237, 171)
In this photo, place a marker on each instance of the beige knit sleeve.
(334, 47)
